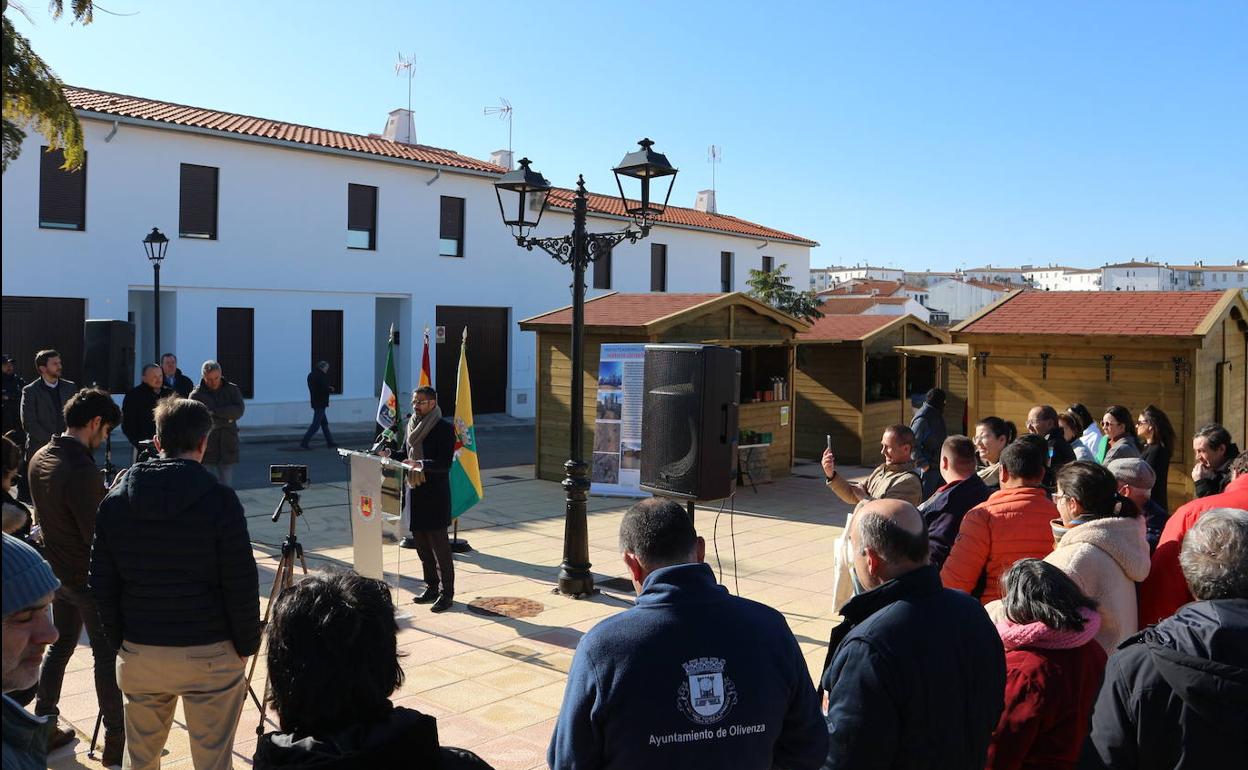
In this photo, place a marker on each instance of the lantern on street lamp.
(640, 167)
(522, 195)
(155, 245)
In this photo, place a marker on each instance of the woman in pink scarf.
(1053, 668)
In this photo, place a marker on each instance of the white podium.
(375, 499)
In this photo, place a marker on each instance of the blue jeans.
(318, 421)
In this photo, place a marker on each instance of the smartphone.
(829, 436)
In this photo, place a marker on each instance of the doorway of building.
(487, 356)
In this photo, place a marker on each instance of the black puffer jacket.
(172, 564)
(406, 738)
(1176, 694)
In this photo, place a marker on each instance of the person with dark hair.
(1092, 437)
(67, 489)
(224, 400)
(319, 389)
(1214, 452)
(1135, 480)
(915, 674)
(335, 716)
(1100, 545)
(178, 593)
(43, 401)
(928, 426)
(1120, 432)
(1175, 694)
(138, 408)
(1072, 430)
(1042, 421)
(1165, 588)
(17, 517)
(1053, 668)
(1012, 524)
(29, 587)
(963, 490)
(894, 479)
(992, 435)
(690, 676)
(429, 445)
(12, 389)
(1156, 436)
(174, 378)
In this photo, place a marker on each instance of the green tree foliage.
(776, 289)
(34, 95)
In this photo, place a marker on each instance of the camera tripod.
(283, 578)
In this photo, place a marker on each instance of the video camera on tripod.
(294, 476)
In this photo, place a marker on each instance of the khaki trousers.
(210, 680)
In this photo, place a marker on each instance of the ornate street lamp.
(522, 198)
(155, 245)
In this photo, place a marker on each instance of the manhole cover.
(505, 606)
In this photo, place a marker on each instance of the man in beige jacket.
(895, 478)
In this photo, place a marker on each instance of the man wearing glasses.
(428, 448)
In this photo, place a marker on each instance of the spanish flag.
(425, 379)
(466, 488)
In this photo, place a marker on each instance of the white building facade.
(961, 299)
(864, 272)
(1135, 276)
(279, 266)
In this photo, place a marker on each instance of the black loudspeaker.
(108, 355)
(689, 421)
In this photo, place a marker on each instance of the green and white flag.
(388, 404)
(466, 489)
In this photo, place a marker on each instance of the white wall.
(281, 250)
(1135, 278)
(959, 299)
(841, 274)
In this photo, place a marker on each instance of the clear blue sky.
(918, 134)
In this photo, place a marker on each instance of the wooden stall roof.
(942, 350)
(652, 313)
(841, 328)
(1159, 314)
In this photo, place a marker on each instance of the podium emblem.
(366, 507)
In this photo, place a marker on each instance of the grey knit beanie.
(27, 577)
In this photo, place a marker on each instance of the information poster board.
(615, 468)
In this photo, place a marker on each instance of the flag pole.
(458, 544)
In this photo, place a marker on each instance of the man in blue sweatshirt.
(691, 676)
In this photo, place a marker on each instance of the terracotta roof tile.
(837, 326)
(677, 215)
(1134, 313)
(625, 310)
(857, 305)
(987, 285)
(107, 103)
(864, 286)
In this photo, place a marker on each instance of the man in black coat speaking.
(318, 395)
(138, 408)
(430, 445)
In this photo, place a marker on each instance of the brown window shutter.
(658, 267)
(197, 212)
(602, 272)
(62, 194)
(362, 211)
(725, 271)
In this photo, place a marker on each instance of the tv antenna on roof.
(503, 111)
(714, 154)
(406, 64)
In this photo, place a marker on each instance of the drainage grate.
(504, 477)
(505, 606)
(615, 584)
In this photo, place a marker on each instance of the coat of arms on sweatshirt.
(706, 696)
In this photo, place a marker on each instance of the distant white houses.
(962, 299)
(841, 274)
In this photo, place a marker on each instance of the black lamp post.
(522, 198)
(155, 245)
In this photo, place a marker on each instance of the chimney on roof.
(705, 201)
(502, 158)
(400, 127)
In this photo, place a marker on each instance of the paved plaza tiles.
(495, 684)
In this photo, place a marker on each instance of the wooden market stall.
(951, 376)
(763, 334)
(851, 382)
(1185, 352)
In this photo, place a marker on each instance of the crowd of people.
(1005, 601)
